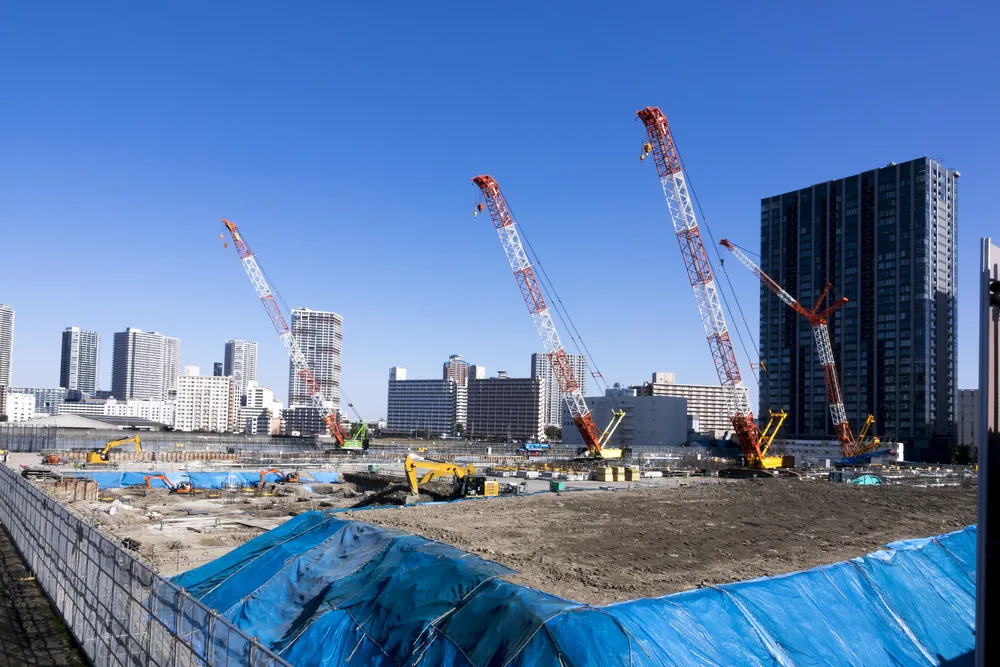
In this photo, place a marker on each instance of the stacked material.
(323, 591)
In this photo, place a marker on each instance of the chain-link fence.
(119, 611)
(23, 438)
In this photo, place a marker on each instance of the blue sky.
(341, 138)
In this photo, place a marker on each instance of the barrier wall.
(119, 611)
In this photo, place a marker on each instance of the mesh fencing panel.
(119, 611)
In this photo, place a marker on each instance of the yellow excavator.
(467, 482)
(101, 457)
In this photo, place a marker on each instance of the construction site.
(287, 546)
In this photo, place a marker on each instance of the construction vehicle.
(534, 449)
(506, 227)
(283, 478)
(359, 440)
(467, 482)
(179, 487)
(101, 456)
(851, 447)
(298, 359)
(754, 443)
(51, 460)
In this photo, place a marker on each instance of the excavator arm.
(432, 469)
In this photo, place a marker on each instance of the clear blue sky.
(341, 138)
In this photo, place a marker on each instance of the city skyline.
(294, 186)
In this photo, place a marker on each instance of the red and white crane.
(266, 296)
(818, 319)
(753, 442)
(524, 274)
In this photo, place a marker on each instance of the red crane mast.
(524, 274)
(266, 296)
(818, 319)
(675, 190)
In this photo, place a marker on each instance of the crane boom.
(818, 319)
(699, 270)
(524, 274)
(266, 296)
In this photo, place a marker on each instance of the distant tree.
(3, 418)
(460, 427)
(553, 433)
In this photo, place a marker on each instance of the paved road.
(30, 632)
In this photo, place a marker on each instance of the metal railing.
(119, 611)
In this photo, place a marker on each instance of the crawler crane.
(506, 227)
(298, 359)
(754, 443)
(818, 319)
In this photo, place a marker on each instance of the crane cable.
(562, 313)
(287, 309)
(711, 236)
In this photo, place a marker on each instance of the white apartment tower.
(206, 403)
(240, 362)
(6, 342)
(542, 370)
(320, 336)
(144, 365)
(80, 362)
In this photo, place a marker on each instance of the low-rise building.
(207, 403)
(303, 421)
(706, 403)
(157, 411)
(428, 407)
(506, 409)
(20, 407)
(47, 400)
(650, 421)
(262, 413)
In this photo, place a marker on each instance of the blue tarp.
(199, 480)
(323, 591)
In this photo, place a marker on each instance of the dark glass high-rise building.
(885, 239)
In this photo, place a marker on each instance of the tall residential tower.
(6, 342)
(80, 363)
(885, 238)
(241, 363)
(144, 365)
(541, 369)
(320, 335)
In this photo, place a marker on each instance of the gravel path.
(30, 632)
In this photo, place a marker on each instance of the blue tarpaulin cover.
(199, 480)
(324, 591)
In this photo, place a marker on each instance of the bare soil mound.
(600, 547)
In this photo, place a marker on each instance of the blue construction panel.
(324, 591)
(199, 480)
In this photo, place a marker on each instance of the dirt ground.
(602, 547)
(30, 631)
(177, 532)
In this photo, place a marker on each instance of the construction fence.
(119, 611)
